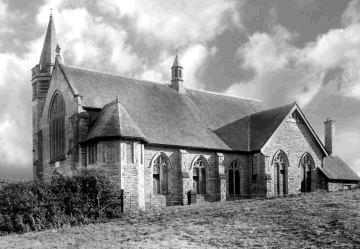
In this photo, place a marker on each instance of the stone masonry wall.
(180, 174)
(336, 186)
(257, 176)
(294, 139)
(58, 83)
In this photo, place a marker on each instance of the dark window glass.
(199, 176)
(160, 176)
(234, 178)
(57, 128)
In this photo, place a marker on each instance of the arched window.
(281, 164)
(199, 175)
(160, 178)
(57, 128)
(234, 178)
(307, 165)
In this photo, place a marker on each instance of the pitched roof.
(48, 52)
(161, 114)
(252, 132)
(336, 169)
(114, 121)
(264, 124)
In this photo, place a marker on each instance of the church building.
(163, 143)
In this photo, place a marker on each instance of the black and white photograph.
(179, 124)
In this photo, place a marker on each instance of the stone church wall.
(66, 166)
(180, 175)
(294, 139)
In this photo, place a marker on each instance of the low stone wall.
(337, 185)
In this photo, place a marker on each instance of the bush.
(86, 197)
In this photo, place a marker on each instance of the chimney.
(330, 135)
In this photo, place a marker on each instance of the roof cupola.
(177, 81)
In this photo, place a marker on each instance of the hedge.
(80, 199)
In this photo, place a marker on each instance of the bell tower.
(177, 81)
(40, 80)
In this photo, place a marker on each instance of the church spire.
(177, 81)
(47, 57)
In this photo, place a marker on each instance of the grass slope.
(316, 220)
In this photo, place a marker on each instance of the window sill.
(57, 159)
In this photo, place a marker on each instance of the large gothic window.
(281, 164)
(234, 178)
(160, 174)
(306, 164)
(199, 175)
(57, 128)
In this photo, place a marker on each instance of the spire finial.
(58, 53)
(58, 49)
(51, 12)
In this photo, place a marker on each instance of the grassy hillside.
(317, 220)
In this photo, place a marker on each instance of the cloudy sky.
(277, 51)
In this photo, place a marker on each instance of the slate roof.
(114, 121)
(256, 128)
(161, 114)
(336, 169)
(264, 124)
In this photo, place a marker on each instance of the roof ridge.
(116, 75)
(225, 94)
(278, 107)
(161, 83)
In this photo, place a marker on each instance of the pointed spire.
(48, 52)
(176, 62)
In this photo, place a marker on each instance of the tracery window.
(199, 175)
(306, 164)
(280, 163)
(57, 128)
(234, 178)
(160, 176)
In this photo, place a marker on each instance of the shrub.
(80, 199)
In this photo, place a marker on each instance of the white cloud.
(347, 146)
(12, 151)
(3, 10)
(263, 54)
(177, 22)
(90, 41)
(193, 59)
(15, 114)
(6, 17)
(270, 55)
(351, 14)
(279, 74)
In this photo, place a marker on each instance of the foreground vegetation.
(84, 198)
(316, 220)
